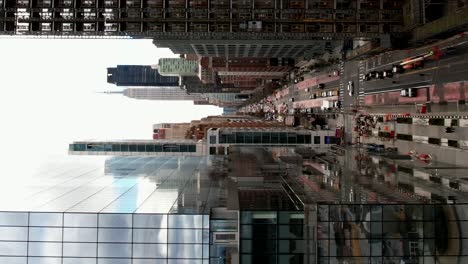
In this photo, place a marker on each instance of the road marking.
(422, 70)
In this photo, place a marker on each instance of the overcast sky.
(48, 95)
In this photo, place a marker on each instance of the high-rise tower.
(235, 28)
(139, 75)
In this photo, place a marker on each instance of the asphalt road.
(451, 67)
(351, 72)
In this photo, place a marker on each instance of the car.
(410, 92)
(350, 88)
(291, 99)
(388, 73)
(367, 77)
(306, 90)
(372, 74)
(379, 75)
(321, 85)
(397, 69)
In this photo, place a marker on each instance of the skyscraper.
(254, 205)
(139, 75)
(159, 93)
(235, 28)
(178, 67)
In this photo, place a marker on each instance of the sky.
(48, 95)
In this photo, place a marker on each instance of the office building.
(170, 130)
(234, 28)
(139, 75)
(178, 67)
(252, 205)
(245, 73)
(171, 93)
(218, 141)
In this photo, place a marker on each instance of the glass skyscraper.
(139, 75)
(253, 205)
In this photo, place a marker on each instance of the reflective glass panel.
(149, 221)
(13, 248)
(115, 261)
(13, 219)
(80, 234)
(149, 261)
(150, 235)
(44, 260)
(185, 261)
(115, 235)
(79, 261)
(80, 220)
(185, 221)
(47, 249)
(114, 250)
(185, 236)
(79, 249)
(149, 250)
(45, 219)
(115, 220)
(185, 251)
(45, 234)
(14, 233)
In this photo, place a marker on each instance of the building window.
(212, 150)
(212, 139)
(316, 139)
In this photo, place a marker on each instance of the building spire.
(111, 92)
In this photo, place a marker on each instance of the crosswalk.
(362, 71)
(342, 86)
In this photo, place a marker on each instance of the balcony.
(46, 27)
(198, 27)
(176, 4)
(65, 3)
(45, 14)
(89, 27)
(111, 3)
(198, 4)
(154, 27)
(133, 27)
(175, 27)
(22, 3)
(66, 14)
(111, 27)
(22, 27)
(44, 3)
(151, 13)
(153, 3)
(89, 15)
(241, 4)
(370, 4)
(220, 4)
(67, 27)
(323, 4)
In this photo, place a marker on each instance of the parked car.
(350, 88)
(379, 75)
(388, 73)
(398, 69)
(410, 92)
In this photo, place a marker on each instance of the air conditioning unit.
(225, 237)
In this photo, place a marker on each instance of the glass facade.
(134, 210)
(274, 237)
(128, 147)
(392, 233)
(265, 138)
(30, 237)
